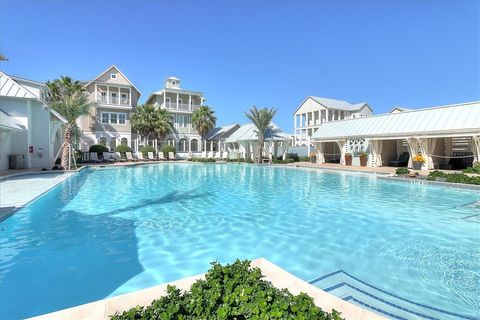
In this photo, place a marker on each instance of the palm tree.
(261, 118)
(151, 122)
(68, 97)
(204, 120)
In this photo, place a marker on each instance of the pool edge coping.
(104, 308)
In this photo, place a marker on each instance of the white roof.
(9, 123)
(444, 120)
(221, 132)
(248, 132)
(338, 104)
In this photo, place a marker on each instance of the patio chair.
(161, 156)
(130, 156)
(140, 156)
(218, 155)
(94, 157)
(210, 155)
(171, 156)
(151, 156)
(118, 157)
(204, 155)
(401, 162)
(107, 156)
(225, 155)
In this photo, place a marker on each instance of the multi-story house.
(181, 103)
(314, 111)
(114, 97)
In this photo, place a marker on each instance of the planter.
(348, 159)
(417, 165)
(363, 161)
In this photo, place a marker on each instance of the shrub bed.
(202, 160)
(287, 160)
(474, 169)
(401, 171)
(98, 148)
(166, 149)
(453, 177)
(233, 291)
(123, 148)
(145, 150)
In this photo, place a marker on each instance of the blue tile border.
(385, 292)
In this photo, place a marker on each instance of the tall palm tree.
(151, 122)
(68, 97)
(261, 118)
(204, 120)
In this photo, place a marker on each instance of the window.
(179, 101)
(113, 143)
(167, 101)
(105, 117)
(103, 141)
(174, 82)
(121, 118)
(113, 75)
(194, 145)
(124, 142)
(124, 96)
(113, 118)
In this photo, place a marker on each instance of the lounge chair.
(218, 155)
(118, 157)
(94, 157)
(140, 156)
(204, 155)
(225, 155)
(107, 157)
(210, 155)
(130, 156)
(171, 156)
(401, 162)
(161, 157)
(151, 156)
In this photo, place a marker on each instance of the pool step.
(390, 305)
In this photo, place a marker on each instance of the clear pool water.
(111, 231)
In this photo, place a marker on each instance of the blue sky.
(266, 53)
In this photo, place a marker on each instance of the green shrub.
(453, 177)
(234, 291)
(98, 148)
(294, 156)
(146, 150)
(202, 160)
(123, 148)
(287, 160)
(474, 169)
(166, 149)
(402, 171)
(304, 159)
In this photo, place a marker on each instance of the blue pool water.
(109, 231)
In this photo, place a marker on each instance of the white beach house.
(28, 127)
(447, 136)
(181, 103)
(314, 111)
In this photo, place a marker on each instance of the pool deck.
(337, 166)
(103, 309)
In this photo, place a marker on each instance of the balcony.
(113, 100)
(181, 106)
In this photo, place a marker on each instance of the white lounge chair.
(204, 155)
(94, 157)
(210, 155)
(118, 157)
(225, 155)
(107, 156)
(130, 156)
(140, 156)
(171, 156)
(218, 155)
(151, 156)
(161, 157)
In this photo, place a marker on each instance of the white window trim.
(113, 76)
(110, 117)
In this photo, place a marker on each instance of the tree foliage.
(151, 122)
(204, 120)
(262, 119)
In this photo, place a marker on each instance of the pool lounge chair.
(161, 157)
(401, 162)
(225, 155)
(151, 156)
(204, 155)
(130, 156)
(118, 157)
(140, 156)
(107, 157)
(218, 155)
(210, 155)
(171, 156)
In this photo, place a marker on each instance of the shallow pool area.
(109, 231)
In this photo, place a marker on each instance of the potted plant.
(313, 157)
(348, 159)
(363, 158)
(417, 161)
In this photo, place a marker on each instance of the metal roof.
(338, 104)
(444, 120)
(221, 132)
(10, 88)
(248, 132)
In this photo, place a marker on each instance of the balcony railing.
(113, 100)
(181, 106)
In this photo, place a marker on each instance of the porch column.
(306, 119)
(108, 94)
(341, 146)
(118, 97)
(326, 115)
(165, 99)
(189, 145)
(190, 102)
(320, 153)
(476, 149)
(130, 96)
(205, 145)
(177, 99)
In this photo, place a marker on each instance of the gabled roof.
(443, 121)
(9, 123)
(222, 132)
(114, 66)
(399, 109)
(335, 104)
(11, 88)
(248, 132)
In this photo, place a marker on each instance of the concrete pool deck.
(103, 309)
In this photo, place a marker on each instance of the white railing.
(181, 106)
(113, 100)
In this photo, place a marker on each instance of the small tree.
(151, 122)
(261, 118)
(204, 120)
(68, 97)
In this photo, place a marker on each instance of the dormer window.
(113, 75)
(174, 82)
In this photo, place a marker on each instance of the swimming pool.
(109, 231)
